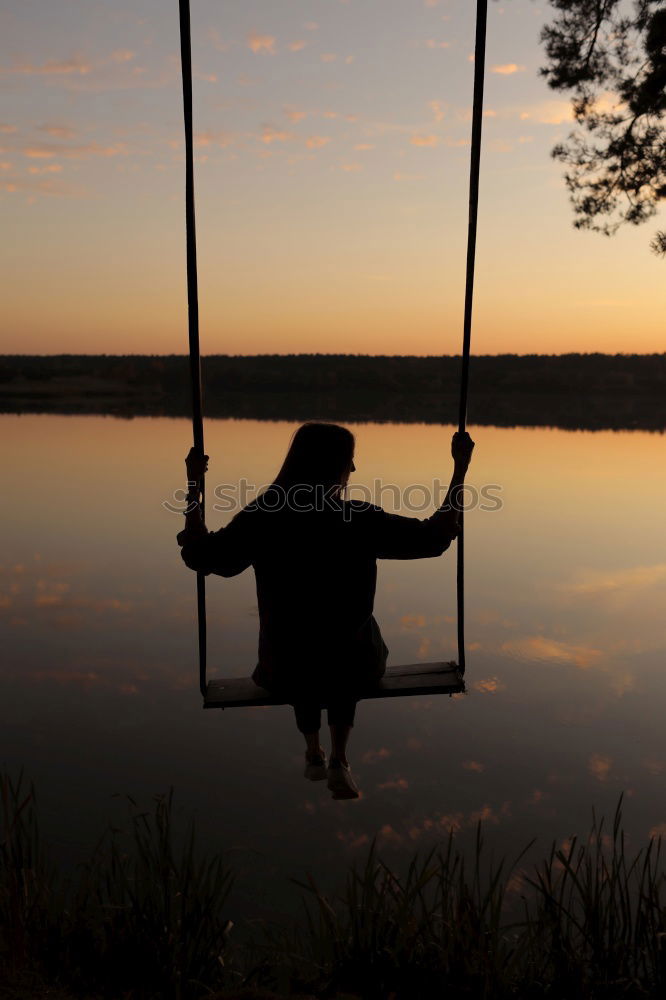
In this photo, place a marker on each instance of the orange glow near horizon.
(331, 198)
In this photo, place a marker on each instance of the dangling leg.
(341, 719)
(308, 720)
(339, 739)
(314, 747)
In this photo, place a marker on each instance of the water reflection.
(565, 662)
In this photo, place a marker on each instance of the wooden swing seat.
(408, 679)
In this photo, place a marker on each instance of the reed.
(145, 917)
(142, 914)
(599, 919)
(586, 922)
(28, 890)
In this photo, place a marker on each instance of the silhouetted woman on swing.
(314, 557)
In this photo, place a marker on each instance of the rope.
(193, 303)
(193, 297)
(475, 162)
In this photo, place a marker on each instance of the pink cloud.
(412, 621)
(58, 131)
(507, 69)
(317, 141)
(542, 648)
(53, 67)
(437, 109)
(488, 685)
(49, 168)
(397, 784)
(217, 40)
(599, 766)
(484, 815)
(35, 186)
(270, 134)
(46, 151)
(122, 55)
(353, 840)
(389, 835)
(261, 43)
(205, 139)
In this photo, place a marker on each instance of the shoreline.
(585, 392)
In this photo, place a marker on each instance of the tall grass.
(588, 921)
(27, 883)
(140, 915)
(144, 918)
(600, 917)
(439, 924)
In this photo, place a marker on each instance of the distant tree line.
(569, 390)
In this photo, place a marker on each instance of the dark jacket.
(316, 575)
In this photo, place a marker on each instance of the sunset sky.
(331, 169)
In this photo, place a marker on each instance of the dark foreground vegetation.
(146, 916)
(587, 391)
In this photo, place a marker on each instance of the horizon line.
(330, 354)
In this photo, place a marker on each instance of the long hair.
(320, 454)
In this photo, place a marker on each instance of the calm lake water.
(565, 665)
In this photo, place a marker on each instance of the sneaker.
(340, 781)
(315, 767)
